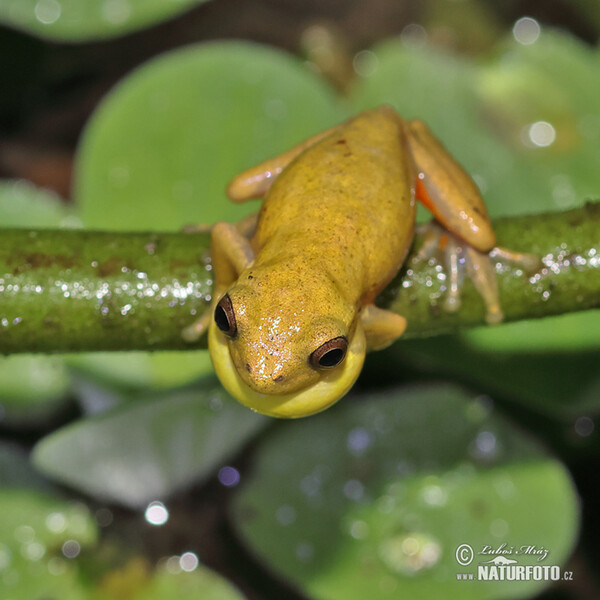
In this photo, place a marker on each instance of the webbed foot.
(459, 258)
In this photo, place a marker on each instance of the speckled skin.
(324, 210)
(327, 242)
(335, 225)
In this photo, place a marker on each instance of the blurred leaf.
(373, 497)
(142, 370)
(201, 583)
(146, 451)
(562, 384)
(135, 581)
(413, 79)
(16, 470)
(47, 520)
(161, 148)
(24, 205)
(555, 81)
(41, 538)
(31, 387)
(33, 530)
(85, 20)
(573, 331)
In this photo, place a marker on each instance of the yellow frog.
(295, 286)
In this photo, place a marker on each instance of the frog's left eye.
(225, 317)
(330, 354)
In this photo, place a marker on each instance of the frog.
(294, 310)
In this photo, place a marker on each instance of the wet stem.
(69, 291)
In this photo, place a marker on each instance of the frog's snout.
(269, 376)
(274, 376)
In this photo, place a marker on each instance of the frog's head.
(286, 347)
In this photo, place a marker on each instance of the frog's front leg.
(231, 253)
(465, 237)
(381, 327)
(256, 181)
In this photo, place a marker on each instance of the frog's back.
(346, 202)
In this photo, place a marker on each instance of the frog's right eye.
(225, 317)
(330, 354)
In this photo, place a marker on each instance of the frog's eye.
(225, 317)
(330, 354)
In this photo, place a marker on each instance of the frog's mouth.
(331, 387)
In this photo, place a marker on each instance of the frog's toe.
(432, 235)
(193, 332)
(530, 263)
(482, 272)
(459, 259)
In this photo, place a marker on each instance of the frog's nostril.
(248, 368)
(278, 379)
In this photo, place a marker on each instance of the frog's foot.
(459, 257)
(192, 333)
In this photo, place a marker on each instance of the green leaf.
(163, 145)
(147, 450)
(85, 20)
(16, 470)
(201, 583)
(142, 370)
(180, 577)
(24, 205)
(49, 521)
(31, 387)
(562, 384)
(37, 532)
(569, 332)
(372, 498)
(555, 81)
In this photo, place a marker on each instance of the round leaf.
(145, 451)
(22, 204)
(37, 532)
(85, 20)
(200, 583)
(372, 498)
(160, 150)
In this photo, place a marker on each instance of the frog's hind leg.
(465, 235)
(231, 253)
(256, 181)
(447, 190)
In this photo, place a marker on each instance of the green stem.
(66, 291)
